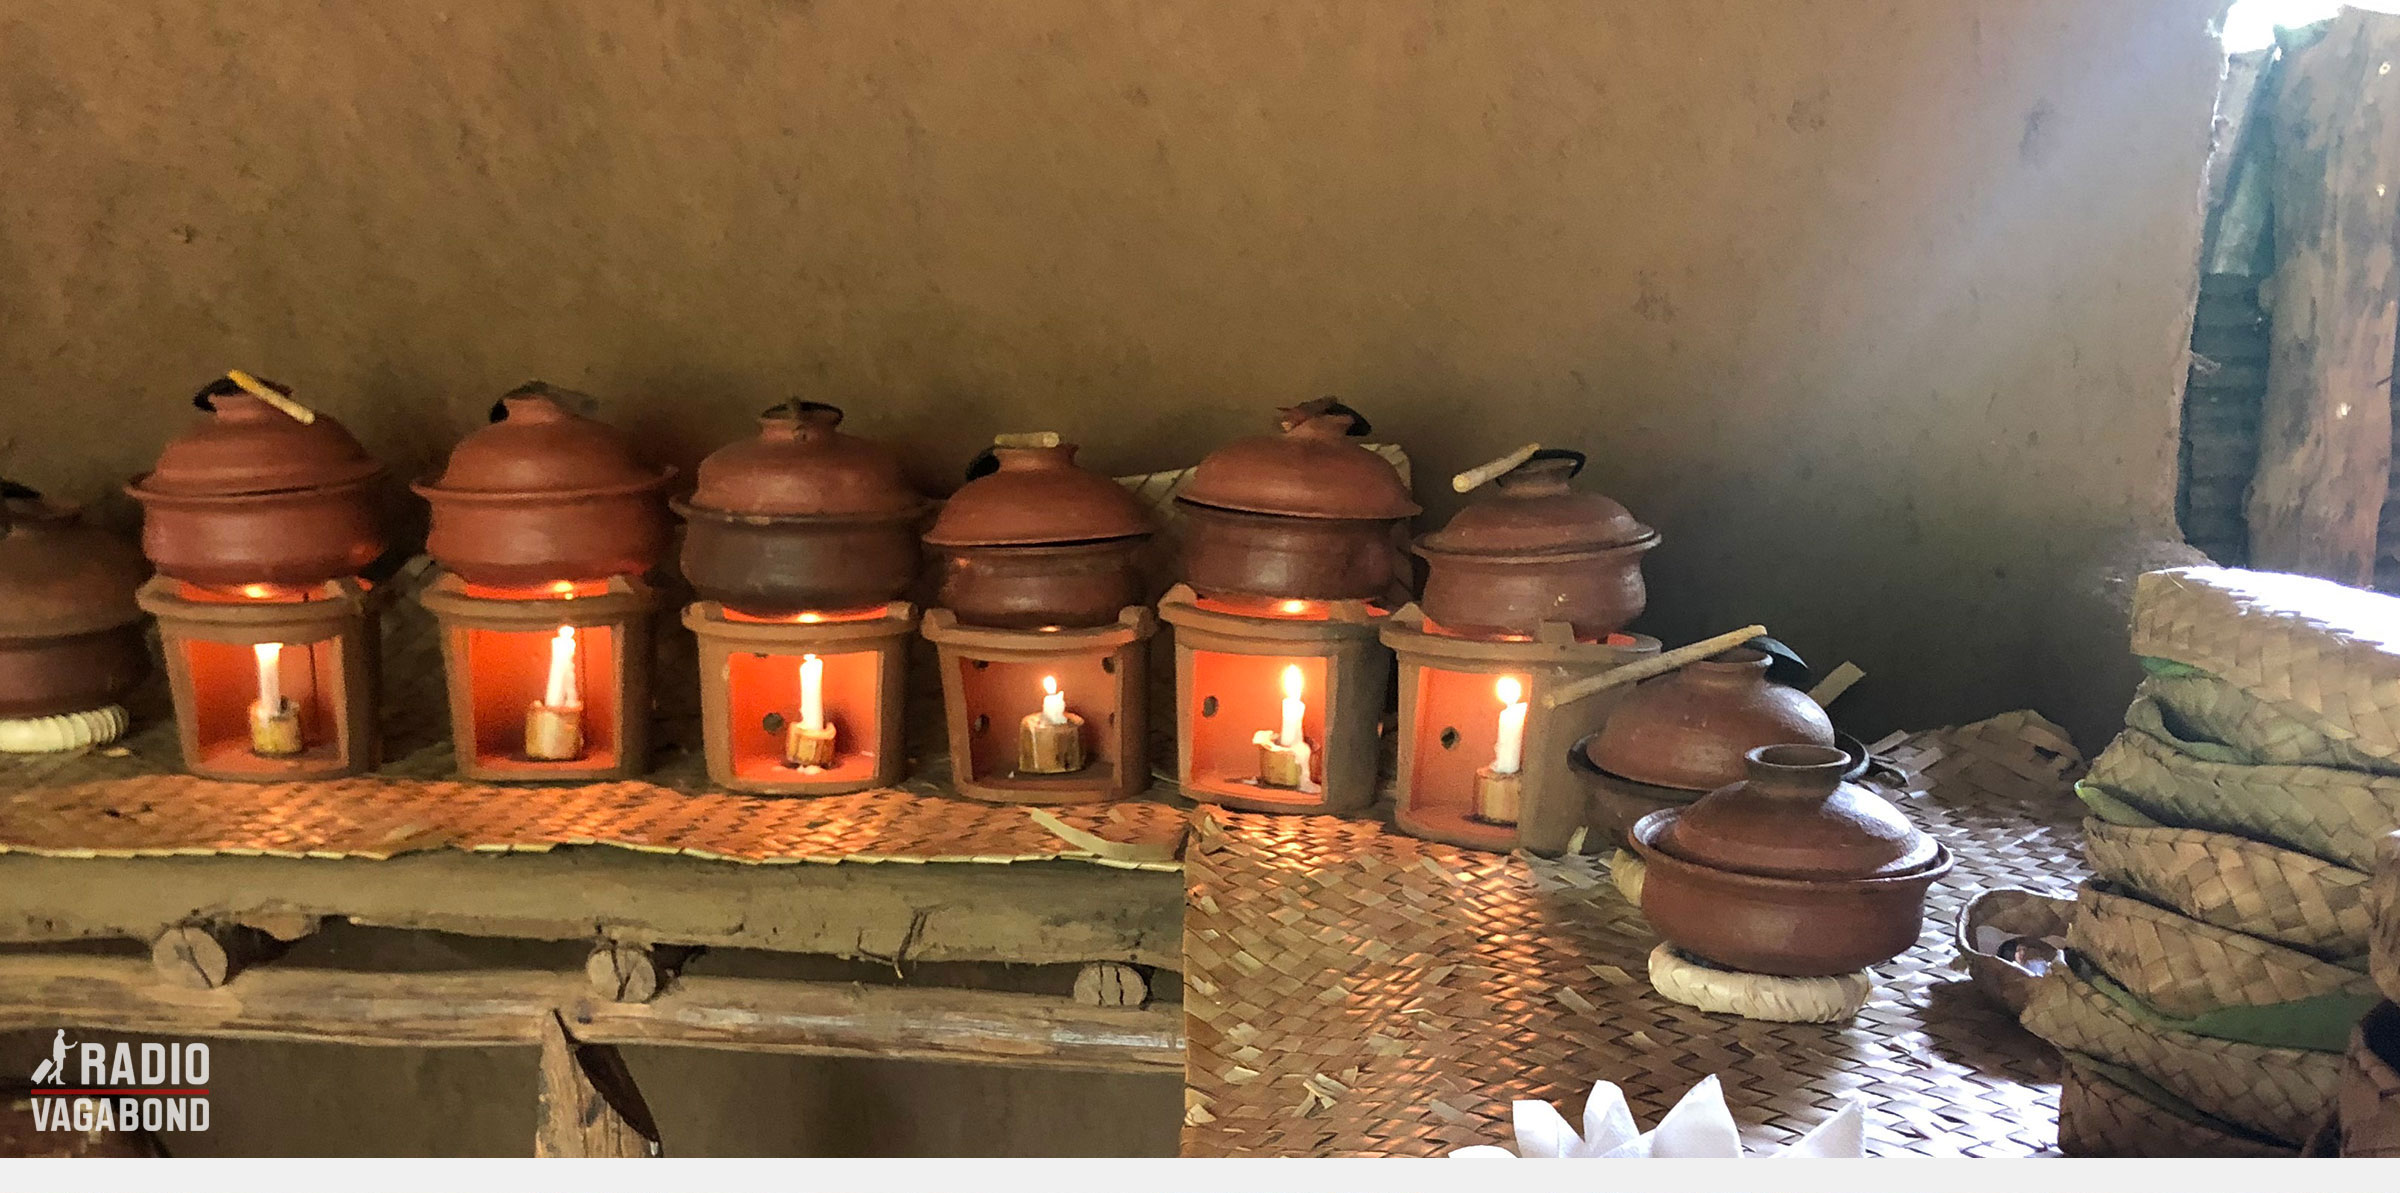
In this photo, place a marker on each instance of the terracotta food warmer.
(1687, 732)
(70, 631)
(1535, 552)
(1038, 542)
(801, 518)
(801, 543)
(1305, 514)
(256, 495)
(260, 520)
(1791, 871)
(544, 524)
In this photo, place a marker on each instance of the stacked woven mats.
(2218, 961)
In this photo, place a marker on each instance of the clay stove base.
(494, 650)
(865, 683)
(991, 680)
(331, 665)
(1227, 687)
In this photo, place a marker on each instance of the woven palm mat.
(1352, 991)
(132, 799)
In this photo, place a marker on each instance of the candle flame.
(1292, 682)
(1509, 690)
(267, 652)
(566, 634)
(564, 588)
(808, 658)
(1050, 685)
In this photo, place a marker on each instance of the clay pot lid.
(536, 445)
(1311, 470)
(1030, 492)
(1690, 728)
(799, 466)
(1531, 511)
(59, 576)
(253, 445)
(1793, 816)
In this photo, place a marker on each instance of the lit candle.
(1508, 753)
(1054, 702)
(270, 677)
(1293, 708)
(812, 693)
(561, 691)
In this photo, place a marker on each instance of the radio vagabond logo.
(148, 1086)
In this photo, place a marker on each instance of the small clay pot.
(70, 633)
(1040, 542)
(1690, 729)
(544, 495)
(1537, 551)
(802, 517)
(1792, 870)
(255, 496)
(1304, 514)
(1618, 803)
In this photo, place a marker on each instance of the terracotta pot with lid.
(1537, 551)
(1793, 870)
(1690, 729)
(801, 517)
(1037, 541)
(265, 491)
(543, 495)
(1305, 514)
(70, 633)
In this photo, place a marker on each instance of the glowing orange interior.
(812, 617)
(1462, 708)
(999, 695)
(225, 684)
(258, 594)
(506, 671)
(1617, 639)
(757, 685)
(1273, 608)
(551, 591)
(1246, 693)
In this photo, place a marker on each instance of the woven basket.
(2383, 901)
(2018, 913)
(2314, 651)
(2367, 1106)
(2281, 1093)
(2099, 1118)
(2196, 702)
(2185, 968)
(2233, 882)
(2338, 815)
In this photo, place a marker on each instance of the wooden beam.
(512, 1007)
(1031, 913)
(589, 1106)
(2325, 438)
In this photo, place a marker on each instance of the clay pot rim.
(1566, 554)
(685, 508)
(431, 491)
(148, 496)
(1646, 830)
(1043, 547)
(1284, 516)
(1580, 759)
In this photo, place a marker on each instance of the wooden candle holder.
(1228, 664)
(750, 697)
(992, 680)
(325, 725)
(1449, 720)
(496, 647)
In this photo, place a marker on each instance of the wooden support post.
(2325, 433)
(622, 971)
(1111, 984)
(201, 955)
(589, 1106)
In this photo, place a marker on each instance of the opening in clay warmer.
(806, 704)
(547, 682)
(270, 682)
(1045, 716)
(1279, 701)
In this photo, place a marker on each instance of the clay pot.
(802, 517)
(1690, 729)
(1040, 542)
(1536, 551)
(1791, 871)
(544, 495)
(70, 633)
(1305, 514)
(255, 496)
(1618, 803)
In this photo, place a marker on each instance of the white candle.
(1293, 709)
(1054, 702)
(1508, 754)
(561, 691)
(270, 676)
(812, 693)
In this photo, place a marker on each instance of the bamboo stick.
(1659, 664)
